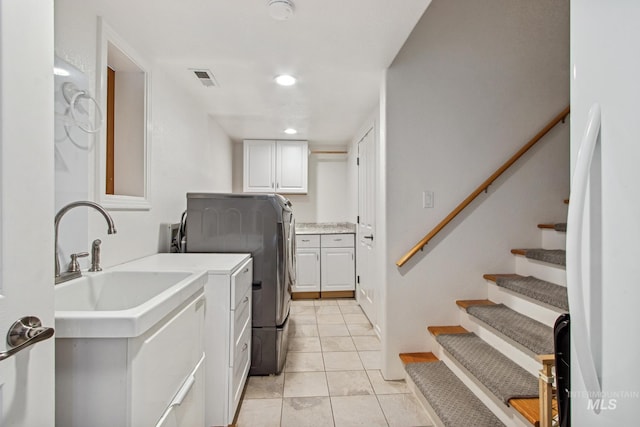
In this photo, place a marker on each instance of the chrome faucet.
(63, 277)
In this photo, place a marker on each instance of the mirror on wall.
(122, 167)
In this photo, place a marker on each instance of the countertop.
(211, 263)
(325, 228)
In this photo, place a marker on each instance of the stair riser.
(552, 239)
(504, 413)
(505, 345)
(542, 270)
(529, 307)
(423, 401)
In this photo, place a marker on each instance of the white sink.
(116, 304)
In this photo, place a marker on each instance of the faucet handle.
(74, 265)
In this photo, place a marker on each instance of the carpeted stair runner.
(560, 227)
(529, 333)
(539, 290)
(452, 401)
(503, 377)
(553, 256)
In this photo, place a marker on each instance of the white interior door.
(26, 207)
(365, 289)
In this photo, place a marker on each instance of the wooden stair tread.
(530, 409)
(444, 330)
(522, 252)
(471, 302)
(547, 226)
(494, 276)
(417, 357)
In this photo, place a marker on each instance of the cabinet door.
(338, 269)
(259, 166)
(291, 167)
(307, 270)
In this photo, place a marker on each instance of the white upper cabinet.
(275, 166)
(259, 166)
(291, 166)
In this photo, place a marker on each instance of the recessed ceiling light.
(285, 80)
(290, 131)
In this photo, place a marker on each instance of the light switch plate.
(427, 199)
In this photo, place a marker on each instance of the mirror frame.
(106, 36)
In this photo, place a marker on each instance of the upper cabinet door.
(259, 166)
(291, 167)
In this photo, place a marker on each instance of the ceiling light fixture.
(290, 131)
(285, 80)
(280, 9)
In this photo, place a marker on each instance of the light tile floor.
(331, 377)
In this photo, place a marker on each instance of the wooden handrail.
(484, 186)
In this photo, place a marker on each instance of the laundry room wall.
(189, 150)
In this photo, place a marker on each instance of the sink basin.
(114, 304)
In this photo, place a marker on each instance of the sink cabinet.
(186, 366)
(133, 381)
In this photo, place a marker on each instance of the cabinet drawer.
(308, 241)
(239, 371)
(187, 407)
(241, 348)
(151, 392)
(240, 283)
(241, 319)
(337, 240)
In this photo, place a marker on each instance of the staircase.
(485, 371)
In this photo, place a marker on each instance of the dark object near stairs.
(562, 346)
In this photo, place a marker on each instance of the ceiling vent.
(205, 77)
(281, 9)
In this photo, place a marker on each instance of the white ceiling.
(336, 48)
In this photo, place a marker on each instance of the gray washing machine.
(262, 225)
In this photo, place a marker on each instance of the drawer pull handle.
(337, 240)
(245, 300)
(184, 390)
(245, 347)
(246, 270)
(306, 240)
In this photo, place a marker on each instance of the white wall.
(473, 82)
(189, 150)
(329, 197)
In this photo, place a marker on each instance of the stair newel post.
(545, 381)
